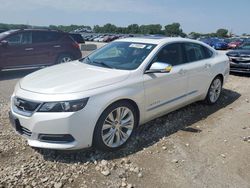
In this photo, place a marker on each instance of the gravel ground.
(196, 146)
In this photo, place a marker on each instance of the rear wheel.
(115, 126)
(214, 91)
(64, 58)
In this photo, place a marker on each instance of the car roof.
(156, 40)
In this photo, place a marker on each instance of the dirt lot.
(196, 146)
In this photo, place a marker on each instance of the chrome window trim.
(156, 53)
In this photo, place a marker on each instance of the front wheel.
(115, 126)
(214, 91)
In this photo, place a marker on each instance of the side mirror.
(159, 67)
(4, 43)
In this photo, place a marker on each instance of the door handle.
(207, 66)
(29, 49)
(182, 71)
(57, 46)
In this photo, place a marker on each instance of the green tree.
(133, 28)
(151, 29)
(222, 33)
(194, 35)
(174, 30)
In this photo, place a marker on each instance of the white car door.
(164, 91)
(199, 68)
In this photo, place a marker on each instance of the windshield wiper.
(103, 64)
(88, 61)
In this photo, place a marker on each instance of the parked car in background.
(2, 30)
(101, 99)
(219, 44)
(216, 43)
(77, 37)
(240, 58)
(235, 43)
(36, 48)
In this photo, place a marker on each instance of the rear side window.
(196, 52)
(45, 36)
(208, 52)
(20, 38)
(171, 54)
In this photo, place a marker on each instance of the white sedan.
(101, 99)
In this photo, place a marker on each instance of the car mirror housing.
(159, 67)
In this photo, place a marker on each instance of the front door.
(18, 52)
(164, 91)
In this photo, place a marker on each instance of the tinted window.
(208, 52)
(171, 54)
(78, 38)
(195, 52)
(20, 38)
(45, 36)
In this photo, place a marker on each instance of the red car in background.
(235, 44)
(36, 48)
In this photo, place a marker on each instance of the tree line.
(171, 30)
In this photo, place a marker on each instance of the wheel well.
(133, 103)
(221, 77)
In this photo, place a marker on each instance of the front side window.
(14, 39)
(120, 55)
(19, 39)
(171, 54)
(195, 52)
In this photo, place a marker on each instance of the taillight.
(75, 45)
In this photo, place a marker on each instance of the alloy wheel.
(118, 127)
(215, 90)
(65, 59)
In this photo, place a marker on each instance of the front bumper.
(240, 67)
(61, 130)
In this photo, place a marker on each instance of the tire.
(64, 58)
(114, 134)
(214, 91)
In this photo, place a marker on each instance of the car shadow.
(15, 74)
(149, 133)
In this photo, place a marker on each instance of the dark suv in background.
(36, 47)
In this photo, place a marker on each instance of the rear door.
(18, 52)
(46, 46)
(198, 57)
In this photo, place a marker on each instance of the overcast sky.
(193, 15)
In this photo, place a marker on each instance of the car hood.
(71, 78)
(239, 52)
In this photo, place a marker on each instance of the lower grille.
(22, 130)
(26, 132)
(56, 138)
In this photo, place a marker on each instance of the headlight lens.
(66, 106)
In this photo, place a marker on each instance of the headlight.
(66, 106)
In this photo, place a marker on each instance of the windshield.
(2, 35)
(120, 55)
